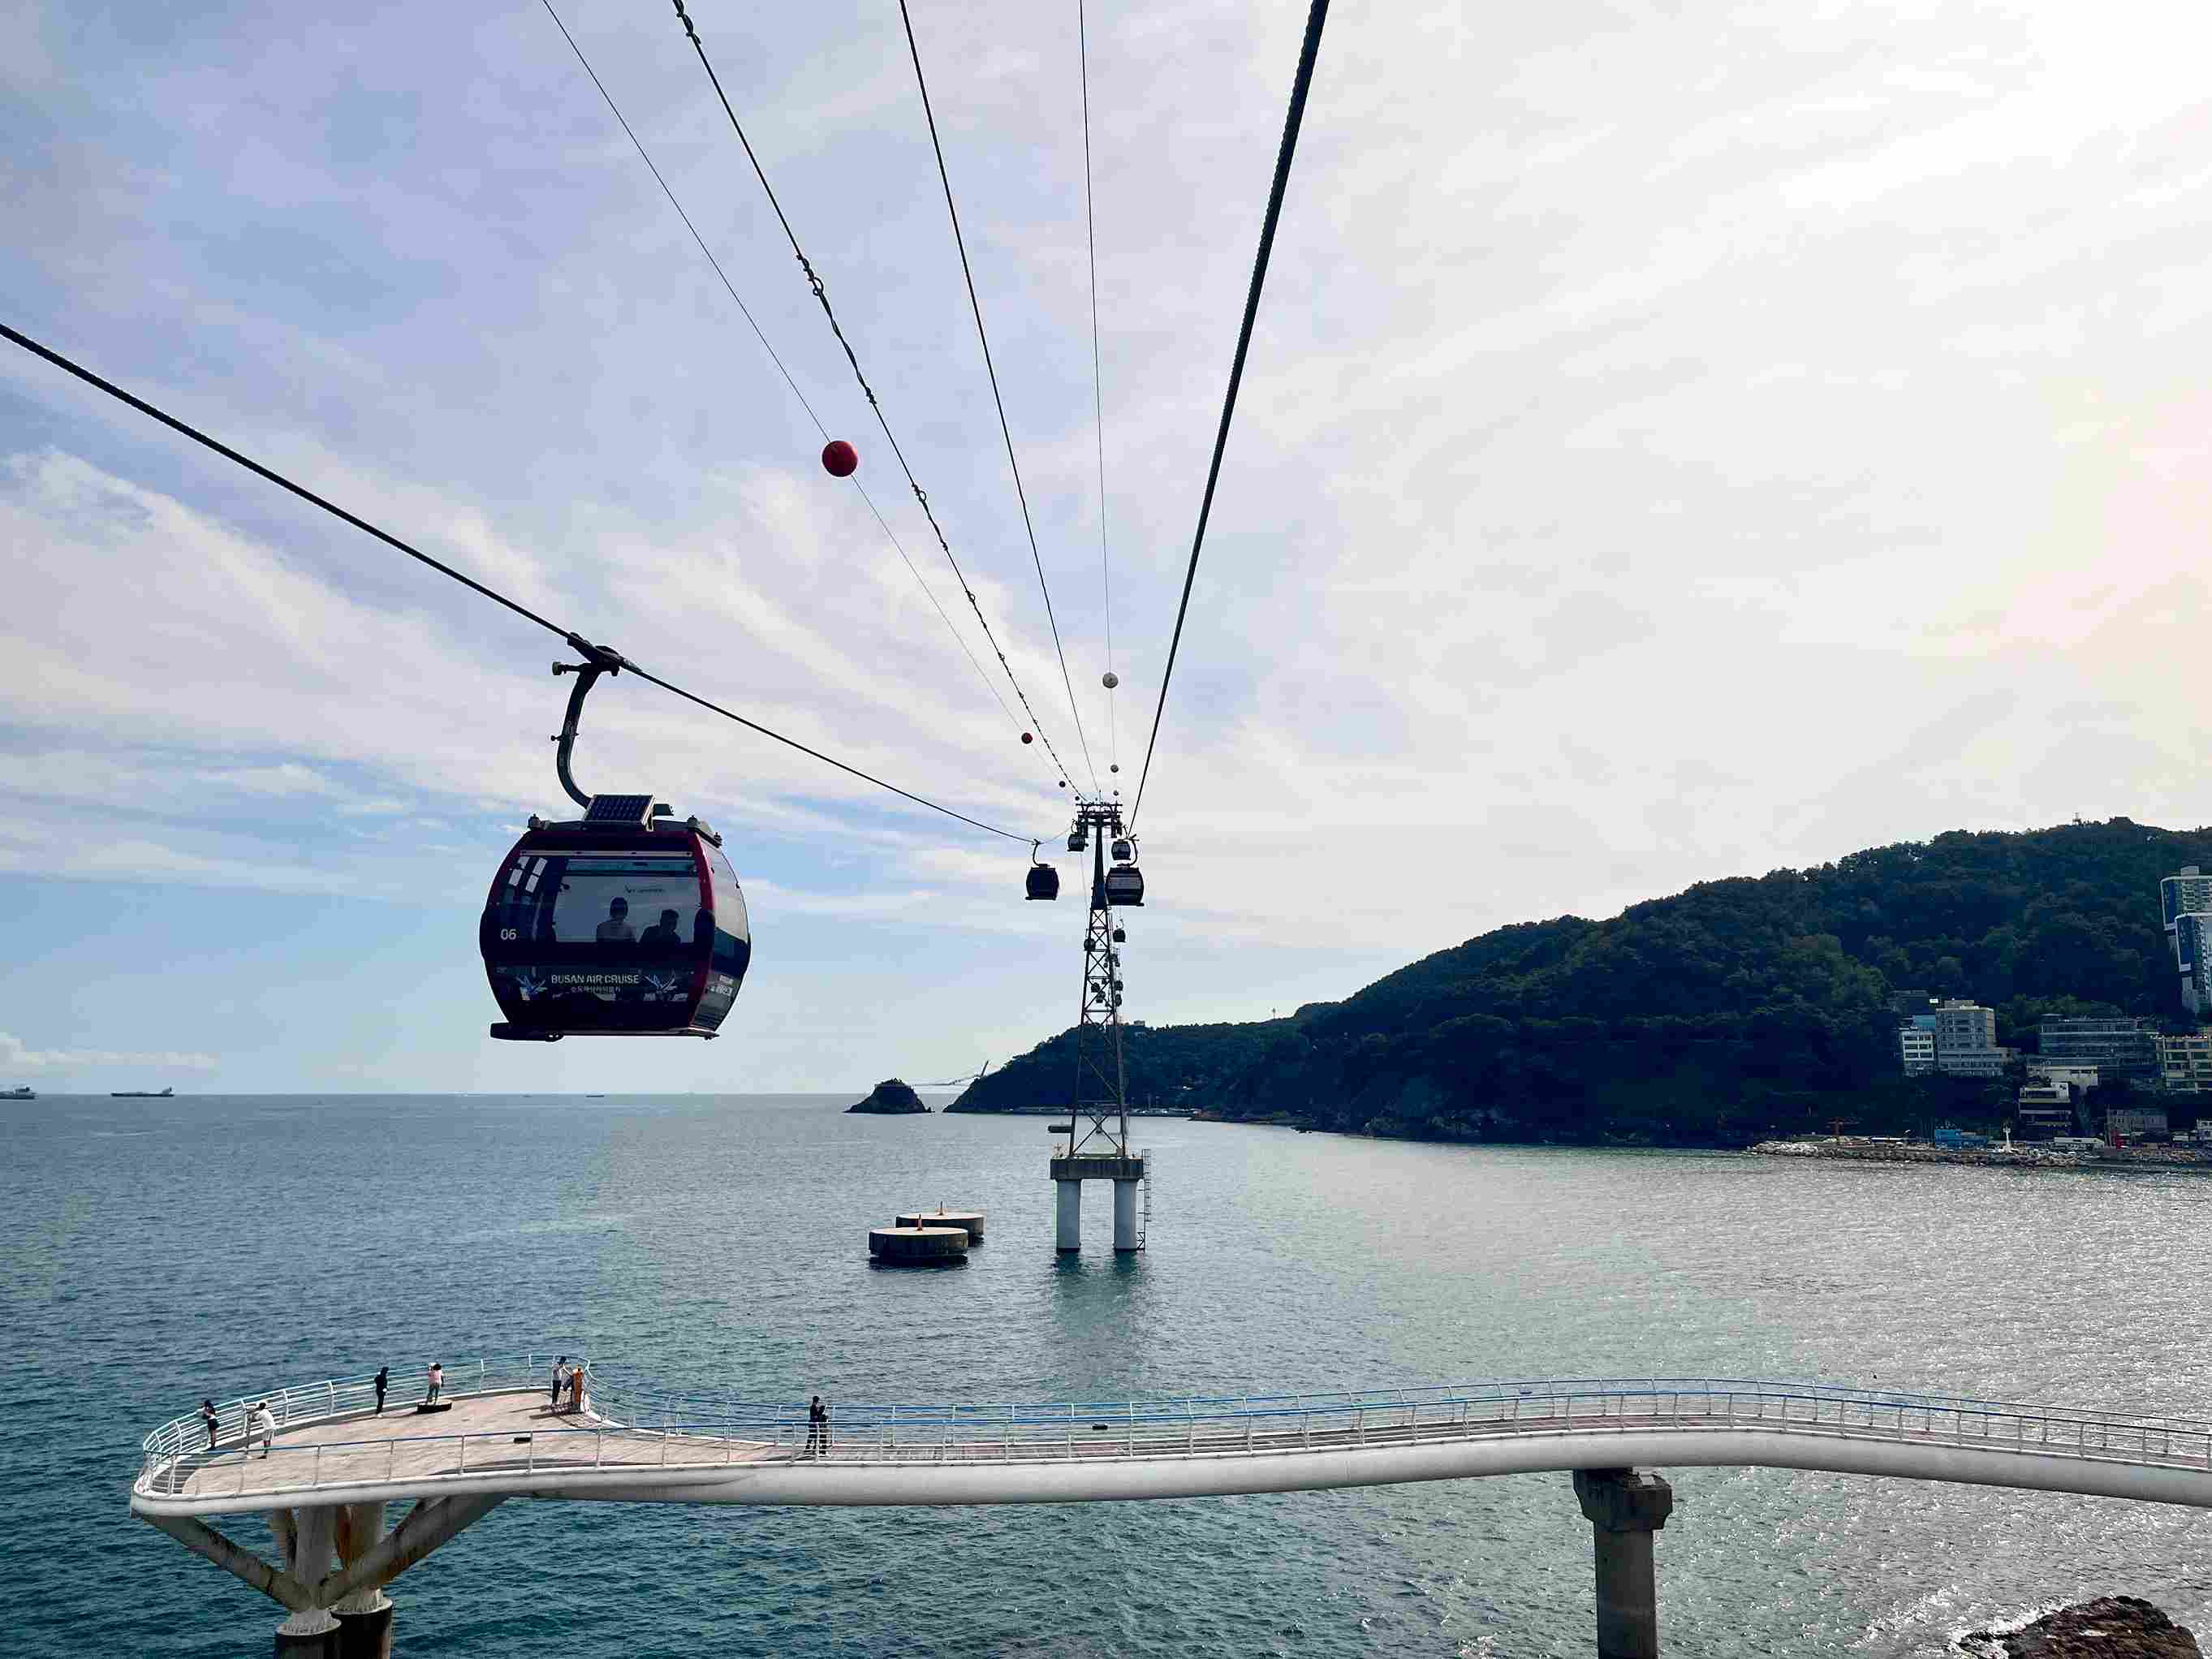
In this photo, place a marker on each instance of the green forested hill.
(1736, 1008)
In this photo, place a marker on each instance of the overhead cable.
(567, 635)
(875, 405)
(746, 311)
(991, 369)
(1098, 387)
(1314, 18)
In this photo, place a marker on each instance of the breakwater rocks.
(890, 1097)
(1906, 1151)
(2018, 1156)
(2110, 1628)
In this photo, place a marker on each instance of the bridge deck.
(502, 1437)
(511, 1431)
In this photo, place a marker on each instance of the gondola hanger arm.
(597, 659)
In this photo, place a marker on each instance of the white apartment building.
(2185, 1063)
(1964, 1025)
(2189, 893)
(1915, 1046)
(2045, 1109)
(1973, 1062)
(2192, 934)
(1966, 1041)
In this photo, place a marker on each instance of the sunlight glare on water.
(159, 1250)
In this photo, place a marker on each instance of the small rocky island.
(892, 1097)
(2110, 1628)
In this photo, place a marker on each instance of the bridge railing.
(641, 1406)
(337, 1397)
(1217, 1426)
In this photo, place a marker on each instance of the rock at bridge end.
(2110, 1628)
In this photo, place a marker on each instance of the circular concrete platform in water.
(919, 1247)
(970, 1221)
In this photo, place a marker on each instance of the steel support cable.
(753, 323)
(569, 635)
(1315, 17)
(822, 297)
(991, 368)
(1097, 380)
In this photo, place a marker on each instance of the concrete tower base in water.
(1125, 1217)
(1128, 1174)
(1625, 1508)
(1068, 1231)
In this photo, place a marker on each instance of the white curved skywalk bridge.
(503, 1439)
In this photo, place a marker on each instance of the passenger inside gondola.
(662, 934)
(615, 929)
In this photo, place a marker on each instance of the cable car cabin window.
(648, 901)
(733, 932)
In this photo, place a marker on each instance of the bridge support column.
(1068, 1234)
(1125, 1216)
(311, 1632)
(365, 1616)
(1625, 1509)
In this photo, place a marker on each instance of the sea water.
(156, 1251)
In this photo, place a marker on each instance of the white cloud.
(16, 1055)
(1627, 488)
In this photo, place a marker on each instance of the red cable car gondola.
(625, 922)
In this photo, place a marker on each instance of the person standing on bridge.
(437, 1381)
(207, 1417)
(261, 1425)
(817, 1427)
(383, 1376)
(559, 1376)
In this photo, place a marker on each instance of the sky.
(1679, 441)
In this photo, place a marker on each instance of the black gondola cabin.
(626, 923)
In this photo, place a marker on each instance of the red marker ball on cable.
(1028, 737)
(839, 459)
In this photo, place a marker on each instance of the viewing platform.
(334, 1465)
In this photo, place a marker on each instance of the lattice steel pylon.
(1100, 1106)
(1098, 1127)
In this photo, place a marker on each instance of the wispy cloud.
(16, 1055)
(1626, 489)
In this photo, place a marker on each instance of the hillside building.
(2135, 1123)
(2185, 894)
(2043, 1110)
(2185, 1063)
(1915, 1046)
(2081, 1079)
(1966, 1040)
(2191, 937)
(2116, 1048)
